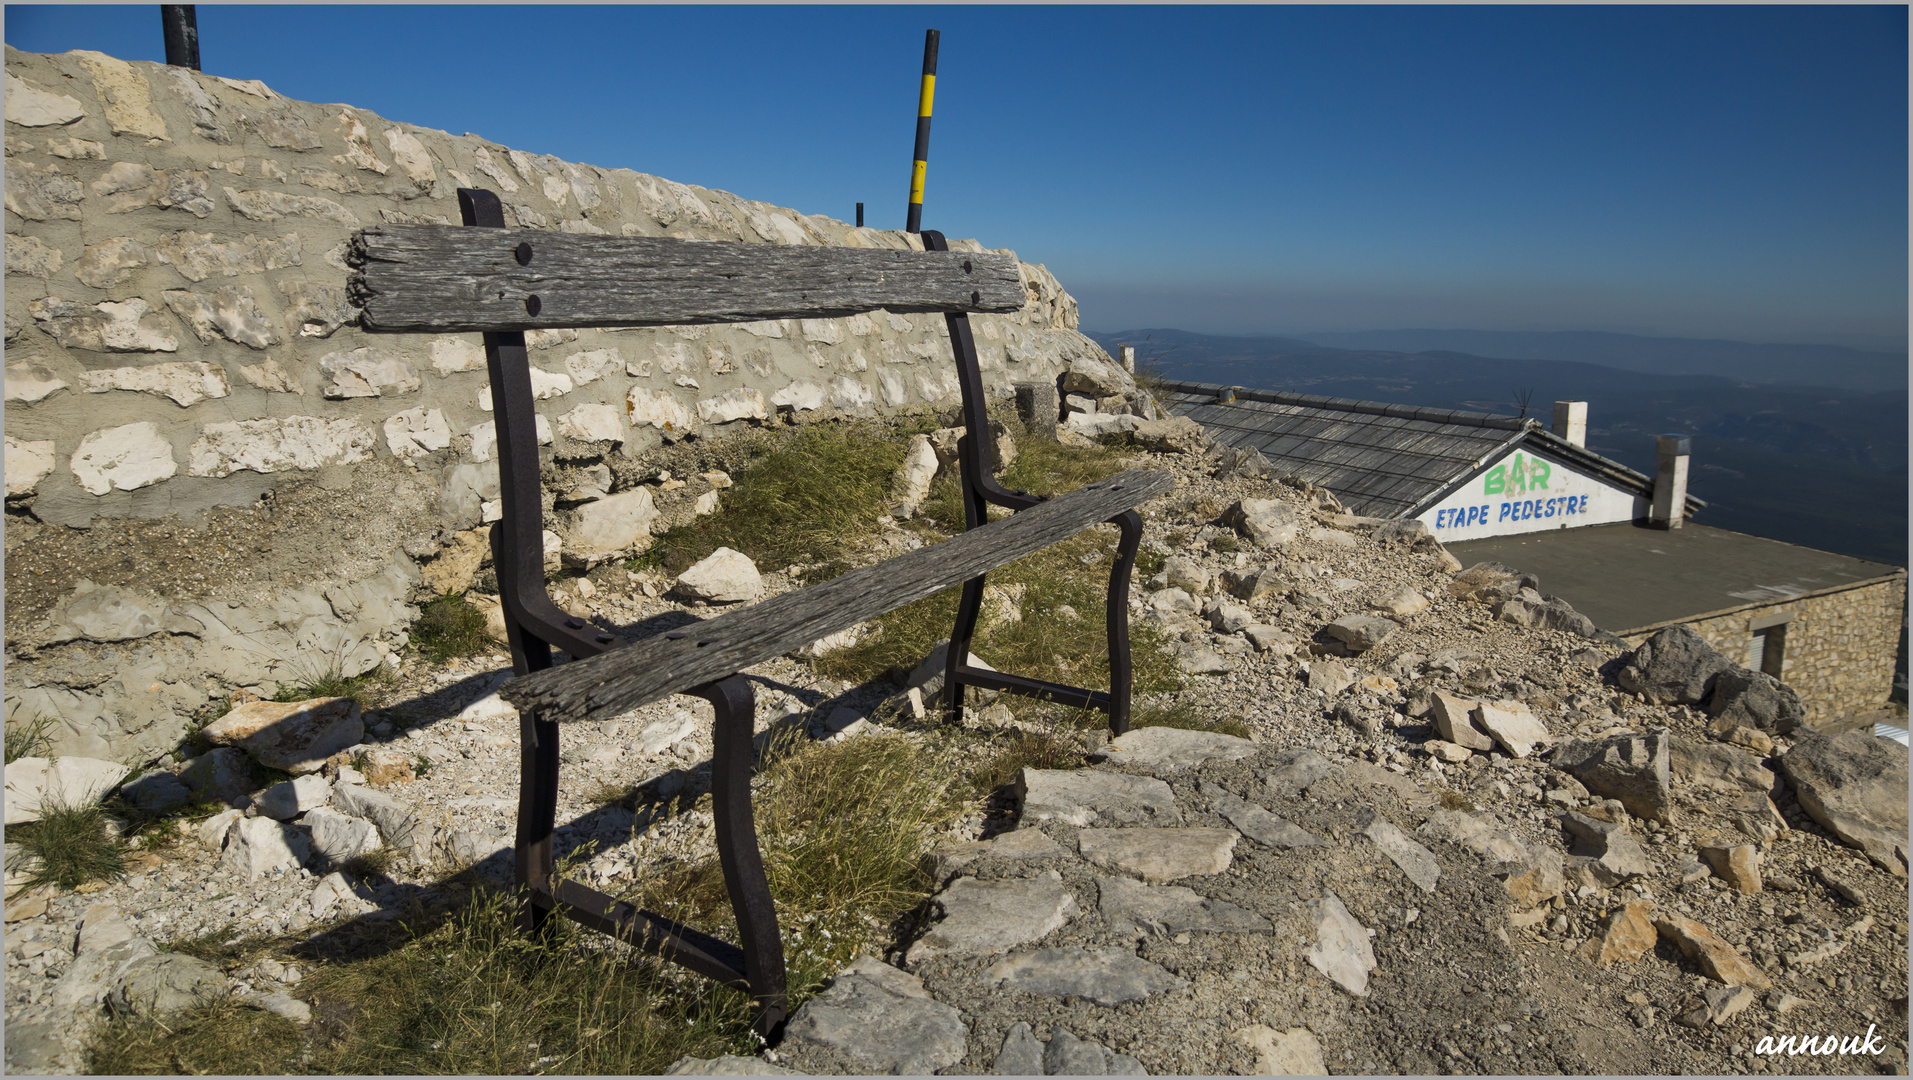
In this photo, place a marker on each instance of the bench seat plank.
(620, 680)
(452, 279)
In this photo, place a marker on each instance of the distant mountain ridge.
(1742, 361)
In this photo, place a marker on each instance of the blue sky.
(1736, 172)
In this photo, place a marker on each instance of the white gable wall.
(1523, 492)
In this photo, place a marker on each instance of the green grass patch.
(803, 495)
(449, 627)
(69, 846)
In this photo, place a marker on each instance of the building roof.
(1630, 578)
(1380, 460)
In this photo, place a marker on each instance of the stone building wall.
(1840, 644)
(214, 478)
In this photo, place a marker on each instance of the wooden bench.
(501, 282)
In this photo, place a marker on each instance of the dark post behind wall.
(922, 155)
(181, 24)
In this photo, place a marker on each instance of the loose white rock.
(612, 524)
(723, 577)
(261, 845)
(285, 801)
(1341, 950)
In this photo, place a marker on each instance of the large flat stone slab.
(1717, 959)
(1294, 771)
(1107, 976)
(1454, 721)
(1067, 1055)
(878, 1020)
(295, 736)
(1135, 910)
(1415, 861)
(1513, 725)
(1631, 768)
(1083, 798)
(1018, 845)
(1159, 855)
(984, 917)
(1256, 823)
(1161, 749)
(1855, 786)
(1341, 950)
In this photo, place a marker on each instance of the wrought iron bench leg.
(738, 853)
(533, 863)
(1120, 669)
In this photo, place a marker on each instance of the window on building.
(1768, 650)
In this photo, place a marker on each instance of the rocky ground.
(1459, 840)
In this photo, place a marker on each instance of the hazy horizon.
(1858, 342)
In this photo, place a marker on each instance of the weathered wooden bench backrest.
(446, 279)
(502, 282)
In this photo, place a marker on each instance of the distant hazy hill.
(1818, 466)
(1816, 365)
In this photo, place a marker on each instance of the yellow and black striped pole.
(924, 95)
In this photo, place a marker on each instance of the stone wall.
(215, 479)
(1840, 644)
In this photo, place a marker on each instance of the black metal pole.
(181, 24)
(860, 215)
(922, 155)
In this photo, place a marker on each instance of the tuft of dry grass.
(69, 846)
(27, 737)
(1027, 750)
(1046, 643)
(804, 494)
(843, 829)
(456, 993)
(448, 627)
(359, 688)
(1183, 715)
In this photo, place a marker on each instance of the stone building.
(1827, 625)
(1611, 541)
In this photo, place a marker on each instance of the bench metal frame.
(536, 626)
